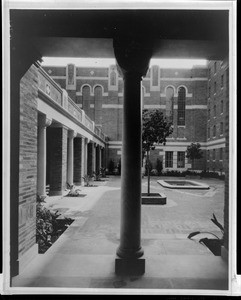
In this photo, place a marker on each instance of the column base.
(129, 266)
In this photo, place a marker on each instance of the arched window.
(86, 98)
(181, 106)
(169, 102)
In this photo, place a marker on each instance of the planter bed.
(154, 198)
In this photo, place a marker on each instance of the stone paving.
(97, 217)
(92, 239)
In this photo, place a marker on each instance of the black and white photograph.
(119, 147)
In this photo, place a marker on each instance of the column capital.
(44, 121)
(133, 55)
(72, 134)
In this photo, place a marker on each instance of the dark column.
(78, 153)
(70, 157)
(97, 160)
(58, 167)
(133, 59)
(90, 159)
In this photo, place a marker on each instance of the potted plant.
(213, 244)
(155, 130)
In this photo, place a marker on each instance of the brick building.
(218, 103)
(182, 94)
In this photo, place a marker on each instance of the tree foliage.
(194, 151)
(155, 129)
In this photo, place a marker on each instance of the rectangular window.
(222, 81)
(221, 128)
(215, 87)
(214, 111)
(169, 159)
(181, 159)
(221, 106)
(214, 154)
(221, 153)
(208, 132)
(209, 114)
(214, 130)
(209, 91)
(208, 155)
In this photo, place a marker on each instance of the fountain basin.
(183, 184)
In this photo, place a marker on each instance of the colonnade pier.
(53, 141)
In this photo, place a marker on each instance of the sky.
(106, 62)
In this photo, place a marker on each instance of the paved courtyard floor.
(83, 257)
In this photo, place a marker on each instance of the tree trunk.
(148, 174)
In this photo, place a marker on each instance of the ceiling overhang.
(90, 33)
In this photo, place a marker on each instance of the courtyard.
(84, 255)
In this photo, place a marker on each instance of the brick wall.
(28, 160)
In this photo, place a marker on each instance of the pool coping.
(197, 186)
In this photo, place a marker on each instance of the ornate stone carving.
(70, 77)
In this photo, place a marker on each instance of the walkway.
(83, 257)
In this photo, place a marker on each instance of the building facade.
(186, 97)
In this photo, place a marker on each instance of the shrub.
(87, 179)
(48, 228)
(206, 174)
(103, 172)
(159, 166)
(154, 172)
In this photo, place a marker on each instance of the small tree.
(159, 166)
(194, 152)
(155, 130)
